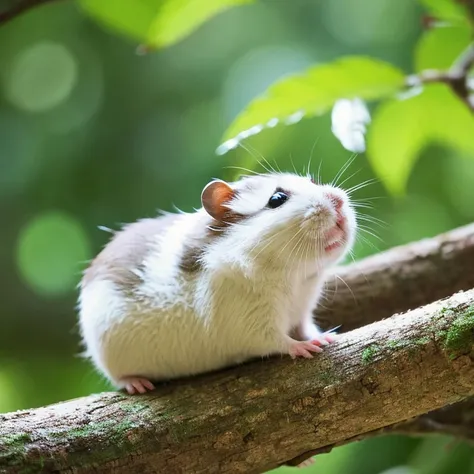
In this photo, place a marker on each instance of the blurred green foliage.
(156, 23)
(92, 134)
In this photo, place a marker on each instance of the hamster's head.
(282, 217)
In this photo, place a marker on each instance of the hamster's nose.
(337, 201)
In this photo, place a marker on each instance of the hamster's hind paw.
(134, 385)
(304, 349)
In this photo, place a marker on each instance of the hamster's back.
(121, 259)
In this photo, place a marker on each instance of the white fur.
(252, 290)
(101, 305)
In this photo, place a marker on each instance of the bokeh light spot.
(366, 22)
(19, 155)
(52, 249)
(85, 99)
(41, 77)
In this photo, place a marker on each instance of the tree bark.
(456, 420)
(259, 415)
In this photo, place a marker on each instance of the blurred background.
(93, 134)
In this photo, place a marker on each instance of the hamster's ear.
(214, 197)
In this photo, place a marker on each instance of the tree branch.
(261, 414)
(12, 8)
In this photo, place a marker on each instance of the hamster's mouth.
(336, 236)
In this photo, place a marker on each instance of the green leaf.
(156, 23)
(178, 18)
(438, 48)
(129, 17)
(402, 128)
(314, 92)
(449, 10)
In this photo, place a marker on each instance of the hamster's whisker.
(271, 240)
(277, 167)
(349, 177)
(241, 168)
(369, 231)
(293, 164)
(320, 304)
(325, 294)
(319, 172)
(351, 254)
(369, 199)
(252, 153)
(296, 246)
(345, 283)
(361, 205)
(341, 172)
(311, 246)
(289, 241)
(305, 253)
(256, 155)
(361, 185)
(304, 246)
(372, 219)
(365, 240)
(308, 172)
(299, 248)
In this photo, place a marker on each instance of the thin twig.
(456, 78)
(15, 8)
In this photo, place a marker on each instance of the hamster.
(188, 293)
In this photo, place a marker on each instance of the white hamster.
(188, 293)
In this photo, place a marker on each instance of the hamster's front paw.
(330, 336)
(309, 331)
(134, 385)
(325, 338)
(304, 349)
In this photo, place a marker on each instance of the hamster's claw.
(306, 463)
(135, 385)
(304, 349)
(330, 337)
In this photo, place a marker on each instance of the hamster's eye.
(277, 199)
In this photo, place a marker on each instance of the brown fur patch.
(125, 252)
(195, 244)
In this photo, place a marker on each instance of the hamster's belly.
(167, 344)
